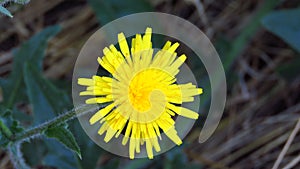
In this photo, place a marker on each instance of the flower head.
(142, 94)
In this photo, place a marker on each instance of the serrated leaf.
(5, 11)
(47, 101)
(31, 51)
(64, 135)
(107, 11)
(285, 24)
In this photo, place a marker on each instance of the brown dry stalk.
(287, 145)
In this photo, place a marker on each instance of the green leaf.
(285, 24)
(8, 120)
(64, 135)
(290, 70)
(50, 153)
(16, 157)
(25, 118)
(89, 150)
(39, 148)
(240, 42)
(47, 101)
(107, 11)
(5, 11)
(8, 126)
(59, 156)
(31, 51)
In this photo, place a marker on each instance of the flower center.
(142, 86)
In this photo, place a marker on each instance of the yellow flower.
(142, 94)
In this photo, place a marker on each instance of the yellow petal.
(167, 45)
(85, 82)
(156, 144)
(179, 62)
(172, 134)
(128, 130)
(101, 113)
(132, 147)
(147, 39)
(149, 148)
(106, 65)
(109, 134)
(183, 111)
(103, 128)
(173, 47)
(124, 46)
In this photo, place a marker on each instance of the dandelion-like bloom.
(142, 94)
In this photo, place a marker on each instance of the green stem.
(5, 130)
(54, 122)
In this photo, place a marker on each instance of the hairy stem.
(54, 122)
(16, 157)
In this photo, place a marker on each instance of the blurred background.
(258, 42)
